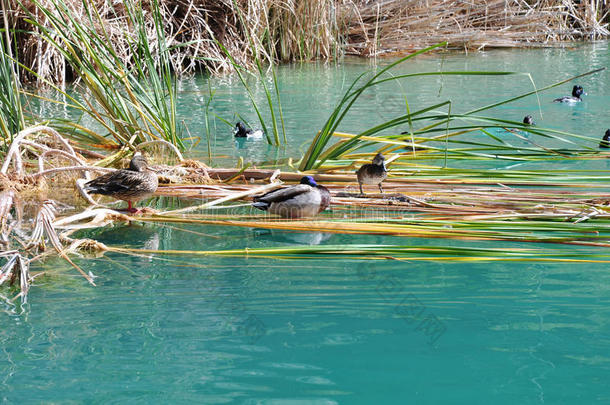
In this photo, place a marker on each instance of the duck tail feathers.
(261, 205)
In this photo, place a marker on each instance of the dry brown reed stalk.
(21, 179)
(44, 225)
(398, 25)
(6, 202)
(43, 138)
(230, 197)
(16, 268)
(286, 30)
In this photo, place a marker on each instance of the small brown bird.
(372, 173)
(129, 185)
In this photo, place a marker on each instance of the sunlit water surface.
(178, 329)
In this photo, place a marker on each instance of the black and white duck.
(306, 199)
(528, 120)
(577, 91)
(241, 131)
(372, 173)
(131, 185)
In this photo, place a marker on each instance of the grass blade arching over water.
(317, 153)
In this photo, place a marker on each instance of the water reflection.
(141, 236)
(296, 238)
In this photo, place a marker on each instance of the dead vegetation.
(286, 30)
(395, 26)
(42, 175)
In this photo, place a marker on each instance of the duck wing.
(363, 169)
(283, 194)
(324, 197)
(115, 182)
(258, 134)
(566, 99)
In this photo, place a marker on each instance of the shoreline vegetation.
(125, 89)
(200, 35)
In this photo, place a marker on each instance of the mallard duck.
(241, 131)
(306, 199)
(528, 120)
(129, 185)
(577, 91)
(605, 143)
(372, 173)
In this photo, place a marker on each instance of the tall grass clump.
(303, 30)
(133, 102)
(154, 81)
(279, 31)
(11, 106)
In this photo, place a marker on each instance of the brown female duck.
(131, 185)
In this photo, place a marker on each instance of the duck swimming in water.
(605, 143)
(131, 185)
(372, 173)
(577, 91)
(306, 199)
(241, 131)
(528, 120)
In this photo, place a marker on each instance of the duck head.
(138, 162)
(309, 181)
(577, 91)
(378, 159)
(240, 130)
(528, 120)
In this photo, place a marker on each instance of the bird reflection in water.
(297, 238)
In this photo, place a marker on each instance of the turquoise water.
(310, 92)
(177, 329)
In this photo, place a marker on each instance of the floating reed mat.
(552, 213)
(568, 210)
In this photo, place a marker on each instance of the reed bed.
(395, 26)
(127, 79)
(552, 213)
(196, 32)
(428, 208)
(564, 208)
(280, 30)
